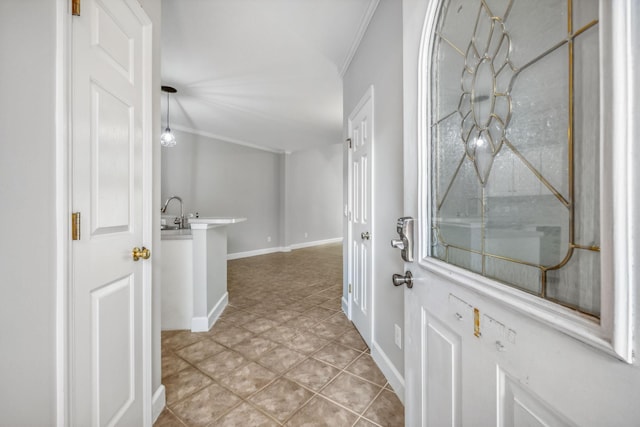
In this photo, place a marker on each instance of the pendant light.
(168, 139)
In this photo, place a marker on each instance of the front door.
(521, 310)
(360, 128)
(110, 137)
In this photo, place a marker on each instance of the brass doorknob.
(143, 253)
(365, 235)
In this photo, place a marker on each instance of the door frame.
(63, 171)
(620, 206)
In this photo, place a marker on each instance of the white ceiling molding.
(364, 24)
(225, 139)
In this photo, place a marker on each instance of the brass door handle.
(138, 253)
(365, 235)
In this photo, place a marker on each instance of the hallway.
(282, 353)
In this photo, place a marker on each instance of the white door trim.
(63, 210)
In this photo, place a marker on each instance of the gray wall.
(315, 192)
(378, 62)
(216, 178)
(281, 195)
(27, 189)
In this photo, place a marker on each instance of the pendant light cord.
(168, 127)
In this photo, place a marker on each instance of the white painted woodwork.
(531, 363)
(177, 282)
(194, 273)
(210, 294)
(110, 124)
(360, 129)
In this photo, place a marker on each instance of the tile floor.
(282, 353)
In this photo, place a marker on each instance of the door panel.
(517, 359)
(112, 142)
(443, 372)
(361, 135)
(113, 327)
(110, 80)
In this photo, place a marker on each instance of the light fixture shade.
(167, 139)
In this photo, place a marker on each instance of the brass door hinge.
(349, 287)
(75, 226)
(75, 7)
(349, 143)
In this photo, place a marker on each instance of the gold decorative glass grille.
(514, 125)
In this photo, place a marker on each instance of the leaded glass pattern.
(514, 125)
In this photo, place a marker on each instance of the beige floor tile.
(281, 398)
(280, 359)
(319, 412)
(200, 350)
(184, 383)
(306, 343)
(318, 313)
(172, 364)
(222, 364)
(341, 320)
(351, 392)
(386, 410)
(201, 408)
(283, 325)
(254, 347)
(301, 323)
(352, 339)
(229, 335)
(336, 355)
(179, 339)
(245, 415)
(248, 379)
(366, 368)
(280, 334)
(328, 331)
(259, 325)
(167, 419)
(312, 374)
(363, 422)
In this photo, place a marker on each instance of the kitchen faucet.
(181, 221)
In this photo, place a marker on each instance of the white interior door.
(509, 320)
(111, 90)
(360, 128)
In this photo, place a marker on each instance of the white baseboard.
(396, 380)
(203, 324)
(275, 249)
(316, 243)
(345, 308)
(158, 403)
(257, 252)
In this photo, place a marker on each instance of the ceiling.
(263, 73)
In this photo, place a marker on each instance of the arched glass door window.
(515, 145)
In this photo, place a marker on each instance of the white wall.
(28, 192)
(378, 62)
(282, 195)
(315, 194)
